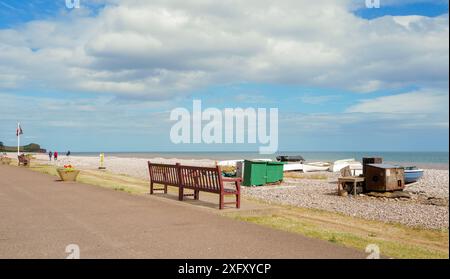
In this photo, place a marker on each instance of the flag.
(19, 131)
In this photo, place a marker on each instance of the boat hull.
(337, 166)
(412, 176)
(310, 168)
(292, 167)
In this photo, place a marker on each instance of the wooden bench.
(206, 179)
(23, 160)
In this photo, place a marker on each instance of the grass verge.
(394, 240)
(102, 178)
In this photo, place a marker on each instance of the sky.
(344, 77)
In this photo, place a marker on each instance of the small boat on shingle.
(412, 174)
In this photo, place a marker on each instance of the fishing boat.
(316, 166)
(340, 164)
(356, 170)
(291, 159)
(229, 163)
(262, 160)
(293, 167)
(291, 163)
(233, 163)
(412, 174)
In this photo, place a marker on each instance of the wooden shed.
(371, 160)
(384, 177)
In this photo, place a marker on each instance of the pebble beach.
(428, 206)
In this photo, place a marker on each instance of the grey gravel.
(433, 184)
(322, 194)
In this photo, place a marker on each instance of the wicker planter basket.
(5, 161)
(68, 175)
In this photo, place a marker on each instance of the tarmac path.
(40, 216)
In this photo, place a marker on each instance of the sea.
(439, 160)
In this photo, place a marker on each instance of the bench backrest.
(201, 178)
(164, 174)
(22, 158)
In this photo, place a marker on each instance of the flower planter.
(5, 161)
(68, 175)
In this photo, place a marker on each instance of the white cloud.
(159, 49)
(251, 98)
(104, 113)
(355, 4)
(313, 99)
(413, 102)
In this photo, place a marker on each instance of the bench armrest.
(229, 179)
(237, 182)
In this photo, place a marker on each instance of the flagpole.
(18, 139)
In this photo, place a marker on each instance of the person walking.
(50, 155)
(55, 155)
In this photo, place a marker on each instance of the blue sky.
(425, 8)
(344, 77)
(16, 12)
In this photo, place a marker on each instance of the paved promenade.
(40, 216)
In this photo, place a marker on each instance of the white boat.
(229, 163)
(340, 164)
(262, 160)
(316, 166)
(293, 167)
(319, 164)
(355, 166)
(233, 163)
(355, 170)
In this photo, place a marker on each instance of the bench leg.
(221, 201)
(238, 200)
(196, 194)
(165, 189)
(151, 188)
(180, 193)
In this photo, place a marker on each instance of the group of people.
(55, 155)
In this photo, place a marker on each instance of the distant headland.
(32, 147)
